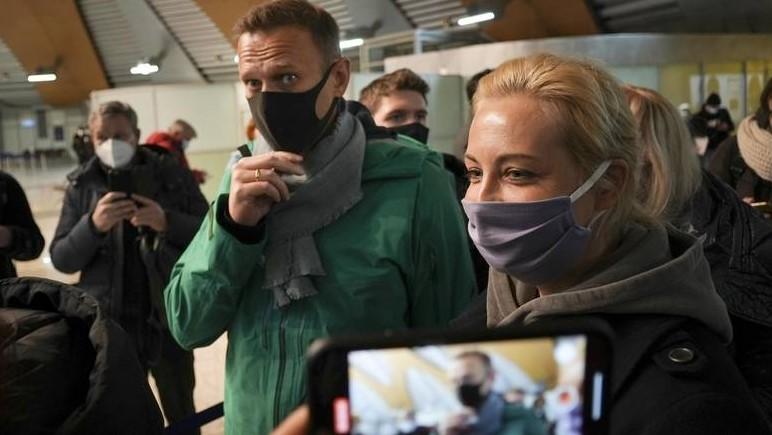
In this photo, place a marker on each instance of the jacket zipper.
(280, 376)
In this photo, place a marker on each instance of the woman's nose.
(487, 189)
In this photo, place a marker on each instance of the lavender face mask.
(535, 242)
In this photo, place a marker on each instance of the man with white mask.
(127, 215)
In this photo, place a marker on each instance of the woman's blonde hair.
(592, 113)
(671, 174)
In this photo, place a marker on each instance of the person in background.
(718, 121)
(251, 134)
(744, 161)
(322, 230)
(175, 141)
(471, 87)
(397, 101)
(123, 237)
(554, 161)
(485, 412)
(81, 144)
(738, 241)
(20, 237)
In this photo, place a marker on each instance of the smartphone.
(119, 180)
(552, 378)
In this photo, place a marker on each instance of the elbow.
(64, 262)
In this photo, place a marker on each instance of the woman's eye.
(473, 175)
(518, 175)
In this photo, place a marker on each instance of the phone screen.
(492, 387)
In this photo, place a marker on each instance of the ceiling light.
(144, 68)
(41, 77)
(351, 43)
(474, 19)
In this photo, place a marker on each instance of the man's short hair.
(481, 356)
(115, 108)
(471, 85)
(184, 127)
(274, 14)
(399, 80)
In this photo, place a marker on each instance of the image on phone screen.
(524, 386)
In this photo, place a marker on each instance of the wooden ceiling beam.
(42, 32)
(528, 19)
(225, 13)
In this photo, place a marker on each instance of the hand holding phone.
(111, 209)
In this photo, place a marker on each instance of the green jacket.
(398, 259)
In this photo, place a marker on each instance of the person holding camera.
(127, 215)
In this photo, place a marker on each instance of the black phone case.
(327, 366)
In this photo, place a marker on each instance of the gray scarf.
(654, 270)
(333, 186)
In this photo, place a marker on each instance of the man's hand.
(256, 186)
(111, 209)
(150, 214)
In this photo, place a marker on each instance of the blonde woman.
(554, 161)
(738, 242)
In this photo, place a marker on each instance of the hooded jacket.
(66, 368)
(656, 293)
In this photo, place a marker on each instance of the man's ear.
(340, 76)
(611, 185)
(137, 136)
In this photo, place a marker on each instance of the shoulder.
(664, 363)
(396, 158)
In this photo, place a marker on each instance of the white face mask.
(711, 109)
(185, 144)
(115, 153)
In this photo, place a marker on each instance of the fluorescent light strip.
(144, 69)
(37, 78)
(474, 19)
(351, 43)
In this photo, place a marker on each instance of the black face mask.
(470, 395)
(415, 130)
(288, 121)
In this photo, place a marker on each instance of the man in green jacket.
(321, 231)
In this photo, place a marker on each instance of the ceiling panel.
(114, 39)
(197, 34)
(14, 88)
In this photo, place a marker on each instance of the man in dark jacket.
(127, 215)
(66, 367)
(20, 237)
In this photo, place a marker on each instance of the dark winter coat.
(78, 247)
(651, 393)
(738, 246)
(15, 213)
(728, 165)
(65, 367)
